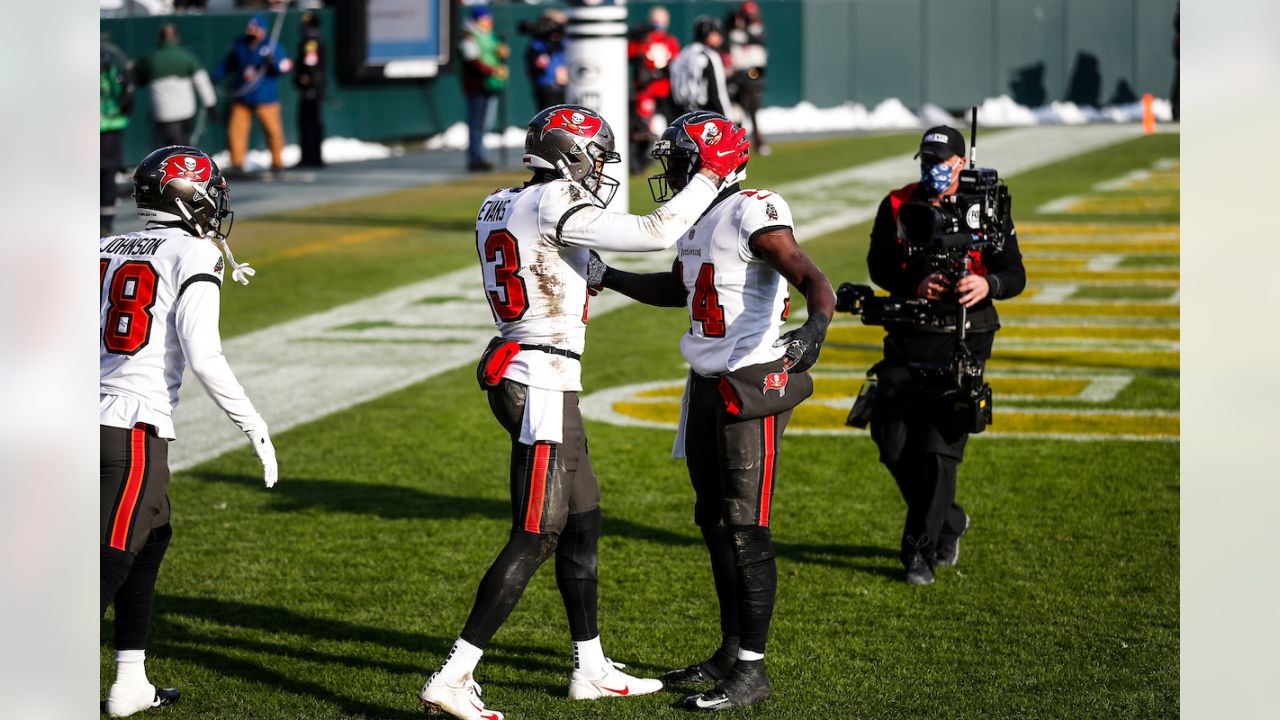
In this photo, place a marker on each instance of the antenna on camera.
(973, 137)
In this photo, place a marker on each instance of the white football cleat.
(614, 683)
(461, 701)
(123, 701)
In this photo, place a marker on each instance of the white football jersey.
(159, 294)
(737, 302)
(534, 244)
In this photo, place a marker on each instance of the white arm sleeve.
(197, 322)
(589, 226)
(205, 88)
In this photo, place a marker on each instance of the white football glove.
(266, 453)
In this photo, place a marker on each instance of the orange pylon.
(1148, 115)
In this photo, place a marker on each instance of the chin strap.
(239, 272)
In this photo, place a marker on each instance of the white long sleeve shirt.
(534, 243)
(159, 312)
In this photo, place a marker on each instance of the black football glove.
(596, 270)
(804, 343)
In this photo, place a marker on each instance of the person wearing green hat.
(484, 77)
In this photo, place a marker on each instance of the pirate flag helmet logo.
(180, 185)
(195, 168)
(579, 121)
(574, 143)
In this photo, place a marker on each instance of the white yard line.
(305, 369)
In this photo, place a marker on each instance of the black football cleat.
(949, 547)
(746, 685)
(165, 697)
(711, 670)
(918, 571)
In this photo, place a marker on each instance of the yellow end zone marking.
(1124, 204)
(1152, 276)
(1088, 247)
(1015, 309)
(823, 418)
(1093, 229)
(341, 241)
(1013, 358)
(872, 335)
(846, 388)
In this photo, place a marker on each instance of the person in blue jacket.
(253, 66)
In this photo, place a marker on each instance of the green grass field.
(335, 594)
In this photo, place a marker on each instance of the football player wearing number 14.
(731, 272)
(534, 242)
(159, 312)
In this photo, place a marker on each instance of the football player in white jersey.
(159, 312)
(731, 273)
(534, 243)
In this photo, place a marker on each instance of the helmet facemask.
(678, 168)
(602, 187)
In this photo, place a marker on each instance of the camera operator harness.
(944, 237)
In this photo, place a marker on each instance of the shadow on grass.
(207, 632)
(403, 502)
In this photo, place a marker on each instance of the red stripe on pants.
(766, 487)
(537, 487)
(132, 489)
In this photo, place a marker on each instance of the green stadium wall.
(950, 53)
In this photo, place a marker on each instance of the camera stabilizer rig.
(945, 237)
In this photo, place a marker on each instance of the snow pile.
(890, 114)
(457, 135)
(806, 118)
(334, 150)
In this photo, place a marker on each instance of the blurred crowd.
(721, 69)
(183, 96)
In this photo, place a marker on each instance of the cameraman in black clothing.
(912, 425)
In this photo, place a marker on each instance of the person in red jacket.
(651, 49)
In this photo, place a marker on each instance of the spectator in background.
(175, 75)
(650, 49)
(311, 81)
(484, 76)
(253, 65)
(544, 58)
(115, 102)
(697, 73)
(747, 56)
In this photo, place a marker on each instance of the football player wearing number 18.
(159, 312)
(731, 272)
(534, 243)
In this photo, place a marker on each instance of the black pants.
(910, 425)
(555, 510)
(310, 131)
(750, 95)
(177, 132)
(733, 466)
(134, 527)
(545, 96)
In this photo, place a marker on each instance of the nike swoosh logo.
(483, 714)
(700, 703)
(626, 690)
(726, 153)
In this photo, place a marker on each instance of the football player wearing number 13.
(534, 243)
(159, 311)
(731, 272)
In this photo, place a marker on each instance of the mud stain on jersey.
(550, 285)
